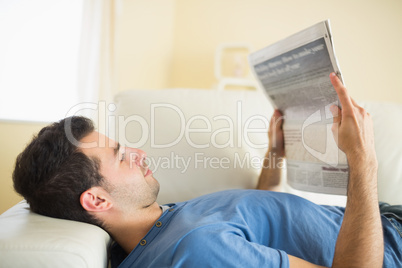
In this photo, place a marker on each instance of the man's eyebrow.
(117, 148)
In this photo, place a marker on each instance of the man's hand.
(270, 177)
(352, 127)
(275, 134)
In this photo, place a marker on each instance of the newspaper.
(294, 74)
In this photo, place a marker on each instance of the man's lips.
(149, 172)
(144, 166)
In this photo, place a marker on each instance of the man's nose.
(136, 156)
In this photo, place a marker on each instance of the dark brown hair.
(52, 173)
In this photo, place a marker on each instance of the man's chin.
(155, 186)
(157, 191)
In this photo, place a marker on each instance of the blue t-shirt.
(246, 228)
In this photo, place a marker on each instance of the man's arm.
(270, 177)
(360, 241)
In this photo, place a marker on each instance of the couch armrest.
(31, 240)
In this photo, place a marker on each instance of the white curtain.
(96, 71)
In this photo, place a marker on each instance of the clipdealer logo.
(238, 130)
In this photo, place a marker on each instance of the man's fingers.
(336, 113)
(276, 121)
(275, 133)
(343, 95)
(337, 117)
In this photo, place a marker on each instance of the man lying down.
(237, 228)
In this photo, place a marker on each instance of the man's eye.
(123, 156)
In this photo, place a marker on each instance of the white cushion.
(31, 240)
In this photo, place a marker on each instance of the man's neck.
(128, 231)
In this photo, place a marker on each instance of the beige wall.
(367, 36)
(171, 43)
(144, 43)
(14, 137)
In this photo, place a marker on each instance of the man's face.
(129, 181)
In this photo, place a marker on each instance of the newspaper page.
(294, 74)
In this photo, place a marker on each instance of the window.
(39, 51)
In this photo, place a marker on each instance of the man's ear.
(95, 199)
